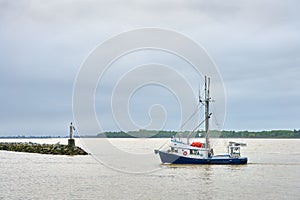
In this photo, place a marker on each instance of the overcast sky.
(255, 45)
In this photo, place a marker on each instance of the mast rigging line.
(192, 115)
(195, 129)
(188, 134)
(215, 118)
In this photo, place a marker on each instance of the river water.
(273, 172)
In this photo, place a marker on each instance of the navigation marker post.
(71, 141)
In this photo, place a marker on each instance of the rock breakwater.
(54, 149)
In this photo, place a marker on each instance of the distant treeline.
(213, 133)
(169, 134)
(35, 137)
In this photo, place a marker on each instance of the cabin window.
(194, 152)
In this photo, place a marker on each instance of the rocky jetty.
(55, 149)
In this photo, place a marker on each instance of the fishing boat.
(201, 152)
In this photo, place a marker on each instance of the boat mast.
(207, 114)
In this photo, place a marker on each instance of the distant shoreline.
(95, 137)
(272, 134)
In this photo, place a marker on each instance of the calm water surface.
(273, 172)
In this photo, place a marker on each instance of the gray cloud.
(255, 44)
